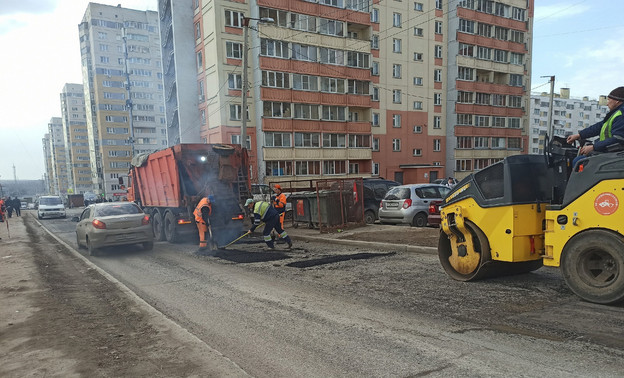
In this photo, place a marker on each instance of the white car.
(51, 207)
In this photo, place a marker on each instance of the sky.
(580, 42)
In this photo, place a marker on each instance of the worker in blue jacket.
(610, 130)
(263, 211)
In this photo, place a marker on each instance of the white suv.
(51, 207)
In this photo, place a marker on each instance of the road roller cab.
(532, 210)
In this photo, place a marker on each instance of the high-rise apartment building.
(489, 71)
(309, 103)
(122, 78)
(59, 179)
(46, 145)
(569, 115)
(76, 139)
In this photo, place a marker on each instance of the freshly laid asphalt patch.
(244, 257)
(335, 259)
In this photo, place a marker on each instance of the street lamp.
(243, 136)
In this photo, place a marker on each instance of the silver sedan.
(113, 223)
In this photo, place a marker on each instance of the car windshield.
(50, 201)
(398, 193)
(121, 209)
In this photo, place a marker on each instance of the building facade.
(59, 177)
(49, 183)
(76, 139)
(568, 117)
(489, 71)
(122, 78)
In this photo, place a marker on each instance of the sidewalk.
(399, 238)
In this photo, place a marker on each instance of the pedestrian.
(450, 182)
(202, 214)
(8, 203)
(263, 211)
(610, 130)
(17, 205)
(279, 203)
(2, 209)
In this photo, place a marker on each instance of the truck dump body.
(169, 184)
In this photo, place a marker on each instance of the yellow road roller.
(527, 211)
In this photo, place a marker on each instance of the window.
(464, 142)
(466, 50)
(500, 56)
(375, 95)
(396, 20)
(278, 168)
(516, 58)
(466, 26)
(358, 87)
(304, 82)
(332, 85)
(484, 30)
(418, 6)
(463, 165)
(418, 129)
(418, 81)
(464, 119)
(501, 33)
(396, 120)
(375, 170)
(306, 168)
(334, 140)
(482, 121)
(417, 152)
(465, 73)
(272, 48)
(358, 59)
(514, 143)
(235, 81)
(334, 167)
(331, 56)
(375, 144)
(437, 145)
(515, 101)
(418, 105)
(375, 119)
(437, 51)
(307, 139)
(484, 53)
(333, 3)
(498, 100)
(304, 52)
(516, 36)
(437, 75)
(418, 57)
(438, 4)
(396, 45)
(515, 80)
(464, 97)
(306, 111)
(438, 27)
(498, 142)
(197, 30)
(514, 123)
(104, 59)
(276, 109)
(303, 22)
(482, 98)
(375, 15)
(331, 27)
(235, 139)
(437, 122)
(233, 19)
(272, 139)
(375, 42)
(481, 142)
(235, 112)
(396, 145)
(498, 121)
(275, 79)
(518, 14)
(375, 69)
(359, 141)
(396, 96)
(396, 71)
(437, 99)
(418, 32)
(279, 17)
(359, 5)
(334, 113)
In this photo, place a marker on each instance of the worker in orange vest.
(202, 214)
(279, 203)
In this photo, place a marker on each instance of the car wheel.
(39, 216)
(420, 220)
(78, 241)
(369, 217)
(92, 251)
(148, 246)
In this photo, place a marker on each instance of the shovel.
(239, 238)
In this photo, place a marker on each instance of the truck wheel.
(170, 227)
(420, 220)
(592, 264)
(157, 226)
(369, 217)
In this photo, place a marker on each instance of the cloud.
(28, 6)
(559, 11)
(8, 24)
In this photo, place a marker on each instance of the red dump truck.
(169, 183)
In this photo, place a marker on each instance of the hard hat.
(211, 198)
(249, 201)
(278, 186)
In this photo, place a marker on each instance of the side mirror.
(75, 219)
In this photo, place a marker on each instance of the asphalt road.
(326, 310)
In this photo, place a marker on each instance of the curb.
(228, 367)
(372, 245)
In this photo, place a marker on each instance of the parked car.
(50, 207)
(113, 223)
(23, 205)
(374, 191)
(434, 213)
(410, 203)
(444, 181)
